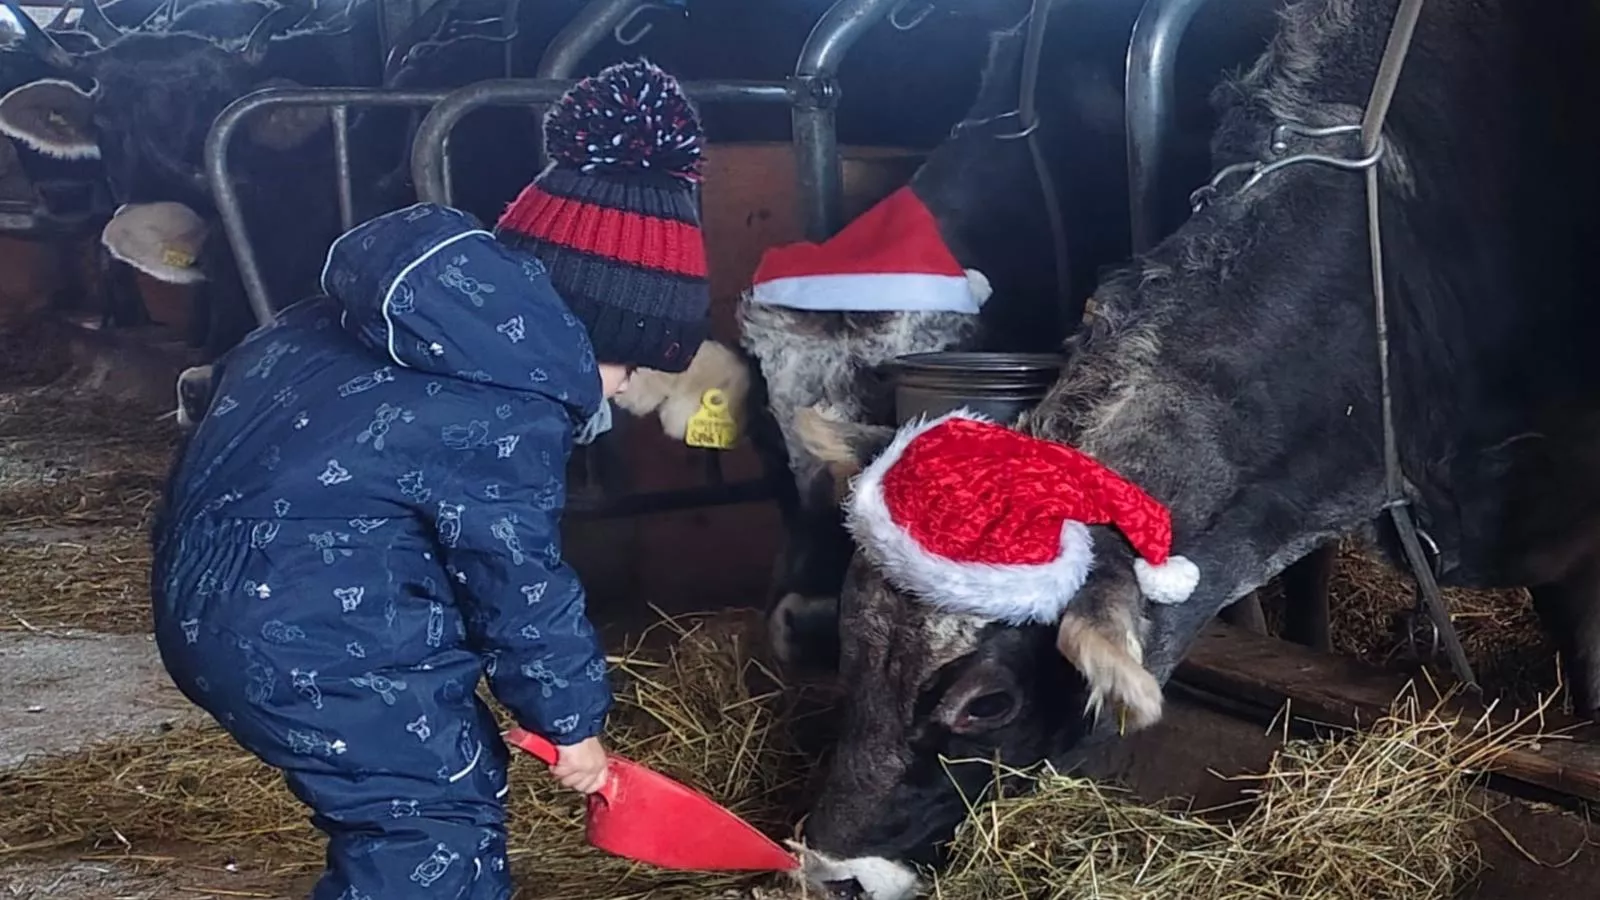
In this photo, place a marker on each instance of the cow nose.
(849, 889)
(862, 878)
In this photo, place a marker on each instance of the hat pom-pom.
(629, 116)
(1171, 582)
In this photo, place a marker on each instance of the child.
(367, 517)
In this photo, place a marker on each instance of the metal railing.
(812, 93)
(430, 149)
(226, 195)
(1151, 102)
(430, 173)
(816, 137)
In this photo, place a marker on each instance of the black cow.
(1232, 373)
(154, 98)
(984, 191)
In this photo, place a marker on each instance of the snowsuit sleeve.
(499, 530)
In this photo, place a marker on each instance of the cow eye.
(994, 705)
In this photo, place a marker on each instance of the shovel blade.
(646, 816)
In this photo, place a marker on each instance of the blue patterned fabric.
(367, 519)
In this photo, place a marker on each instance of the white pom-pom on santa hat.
(980, 519)
(891, 258)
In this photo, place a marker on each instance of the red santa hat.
(890, 259)
(977, 518)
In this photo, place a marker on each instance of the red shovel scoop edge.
(646, 816)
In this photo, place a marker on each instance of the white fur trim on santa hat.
(1171, 582)
(1014, 594)
(877, 292)
(978, 283)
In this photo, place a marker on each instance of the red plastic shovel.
(646, 816)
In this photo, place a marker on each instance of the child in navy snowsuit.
(366, 519)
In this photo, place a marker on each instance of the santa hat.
(890, 259)
(976, 518)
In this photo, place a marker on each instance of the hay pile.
(97, 580)
(1376, 816)
(1382, 815)
(703, 709)
(1500, 630)
(70, 460)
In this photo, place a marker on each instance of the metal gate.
(812, 93)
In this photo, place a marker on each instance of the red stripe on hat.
(648, 242)
(897, 235)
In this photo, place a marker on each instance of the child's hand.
(581, 767)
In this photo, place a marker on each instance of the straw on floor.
(95, 579)
(1382, 815)
(1500, 630)
(688, 710)
(1379, 815)
(68, 460)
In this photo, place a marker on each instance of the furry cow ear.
(1100, 635)
(676, 397)
(844, 447)
(285, 128)
(51, 116)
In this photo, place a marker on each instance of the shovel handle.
(527, 741)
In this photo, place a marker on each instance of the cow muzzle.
(863, 878)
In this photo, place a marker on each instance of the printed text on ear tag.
(712, 426)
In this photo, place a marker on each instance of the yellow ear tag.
(712, 427)
(176, 258)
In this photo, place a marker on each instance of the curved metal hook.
(1260, 170)
(900, 8)
(628, 40)
(966, 125)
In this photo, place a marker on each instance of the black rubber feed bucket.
(1001, 386)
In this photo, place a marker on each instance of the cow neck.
(1424, 568)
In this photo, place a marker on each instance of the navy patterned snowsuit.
(365, 520)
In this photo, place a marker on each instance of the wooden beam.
(1264, 674)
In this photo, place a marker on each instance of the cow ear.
(844, 447)
(1100, 635)
(284, 128)
(51, 116)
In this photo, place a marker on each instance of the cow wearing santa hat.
(822, 320)
(977, 521)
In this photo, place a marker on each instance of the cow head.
(145, 104)
(982, 189)
(937, 698)
(836, 362)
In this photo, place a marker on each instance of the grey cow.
(1232, 374)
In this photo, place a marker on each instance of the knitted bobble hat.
(615, 217)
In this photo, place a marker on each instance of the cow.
(1231, 372)
(984, 192)
(152, 98)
